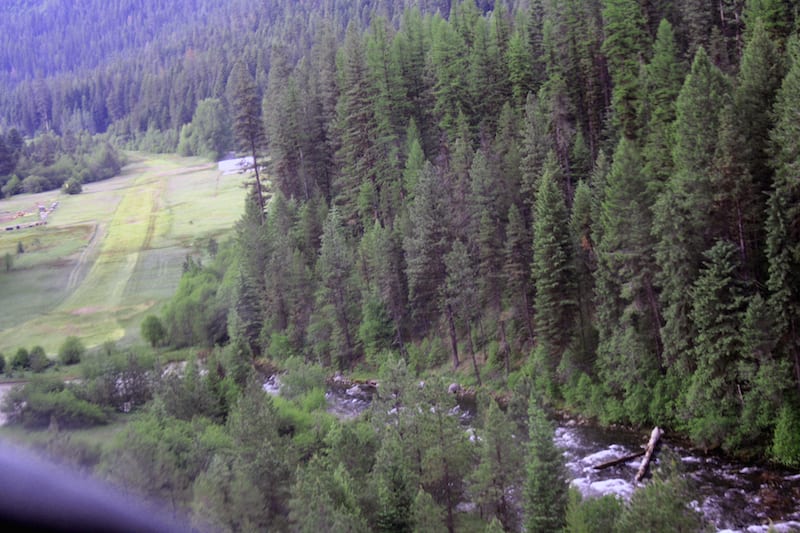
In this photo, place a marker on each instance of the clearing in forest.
(112, 254)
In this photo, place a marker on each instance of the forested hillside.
(595, 199)
(602, 191)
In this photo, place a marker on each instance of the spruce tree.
(764, 375)
(783, 217)
(247, 124)
(628, 315)
(338, 294)
(426, 246)
(395, 488)
(625, 40)
(718, 306)
(681, 215)
(585, 266)
(516, 270)
(358, 187)
(460, 294)
(552, 269)
(662, 81)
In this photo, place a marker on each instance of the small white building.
(236, 165)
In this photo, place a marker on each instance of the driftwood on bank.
(648, 455)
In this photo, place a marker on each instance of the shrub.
(786, 440)
(73, 186)
(122, 380)
(592, 515)
(38, 359)
(64, 407)
(35, 184)
(2, 363)
(301, 378)
(43, 401)
(21, 360)
(153, 330)
(12, 186)
(71, 351)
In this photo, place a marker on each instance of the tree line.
(599, 192)
(49, 161)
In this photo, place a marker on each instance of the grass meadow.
(112, 254)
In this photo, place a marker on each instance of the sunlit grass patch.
(113, 254)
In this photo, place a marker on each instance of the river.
(734, 497)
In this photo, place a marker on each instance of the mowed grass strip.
(163, 206)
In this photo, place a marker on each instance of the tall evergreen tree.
(625, 41)
(460, 294)
(338, 294)
(783, 218)
(247, 124)
(717, 312)
(681, 216)
(426, 247)
(358, 187)
(552, 269)
(663, 77)
(628, 314)
(516, 270)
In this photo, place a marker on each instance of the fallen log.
(625, 459)
(651, 447)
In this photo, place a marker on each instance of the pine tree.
(783, 217)
(395, 488)
(718, 306)
(585, 266)
(500, 467)
(536, 143)
(742, 174)
(444, 453)
(759, 79)
(681, 216)
(625, 39)
(552, 269)
(359, 186)
(338, 292)
(697, 23)
(516, 269)
(628, 315)
(250, 285)
(448, 56)
(545, 491)
(773, 14)
(330, 491)
(764, 375)
(426, 247)
(460, 294)
(663, 77)
(247, 124)
(383, 254)
(427, 514)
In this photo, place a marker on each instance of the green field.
(110, 255)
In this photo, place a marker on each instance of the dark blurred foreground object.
(39, 496)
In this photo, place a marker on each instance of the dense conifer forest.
(589, 206)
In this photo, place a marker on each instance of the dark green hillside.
(580, 205)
